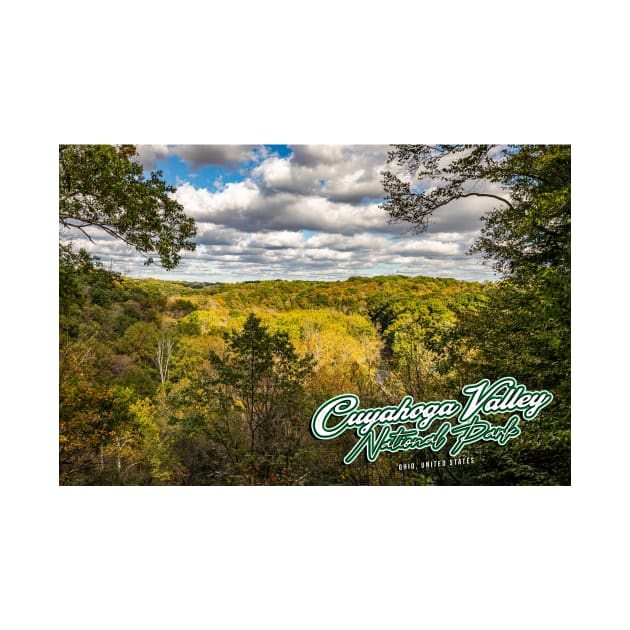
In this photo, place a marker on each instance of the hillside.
(359, 335)
(192, 383)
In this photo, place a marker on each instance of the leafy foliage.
(523, 327)
(103, 186)
(241, 385)
(208, 383)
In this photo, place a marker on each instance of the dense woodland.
(175, 383)
(182, 383)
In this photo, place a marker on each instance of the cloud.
(338, 172)
(212, 234)
(149, 154)
(277, 240)
(200, 155)
(317, 154)
(368, 242)
(312, 214)
(252, 259)
(311, 155)
(246, 206)
(236, 255)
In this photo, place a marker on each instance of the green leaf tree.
(263, 377)
(103, 186)
(528, 187)
(523, 329)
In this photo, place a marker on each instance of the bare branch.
(473, 194)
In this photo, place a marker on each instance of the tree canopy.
(528, 187)
(524, 327)
(103, 186)
(208, 383)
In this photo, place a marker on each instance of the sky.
(303, 212)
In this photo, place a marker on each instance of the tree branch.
(106, 228)
(80, 227)
(472, 194)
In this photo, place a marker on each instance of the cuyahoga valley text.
(406, 427)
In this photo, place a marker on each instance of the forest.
(194, 383)
(158, 386)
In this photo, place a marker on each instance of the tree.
(103, 186)
(524, 327)
(105, 436)
(263, 377)
(140, 341)
(528, 226)
(163, 352)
